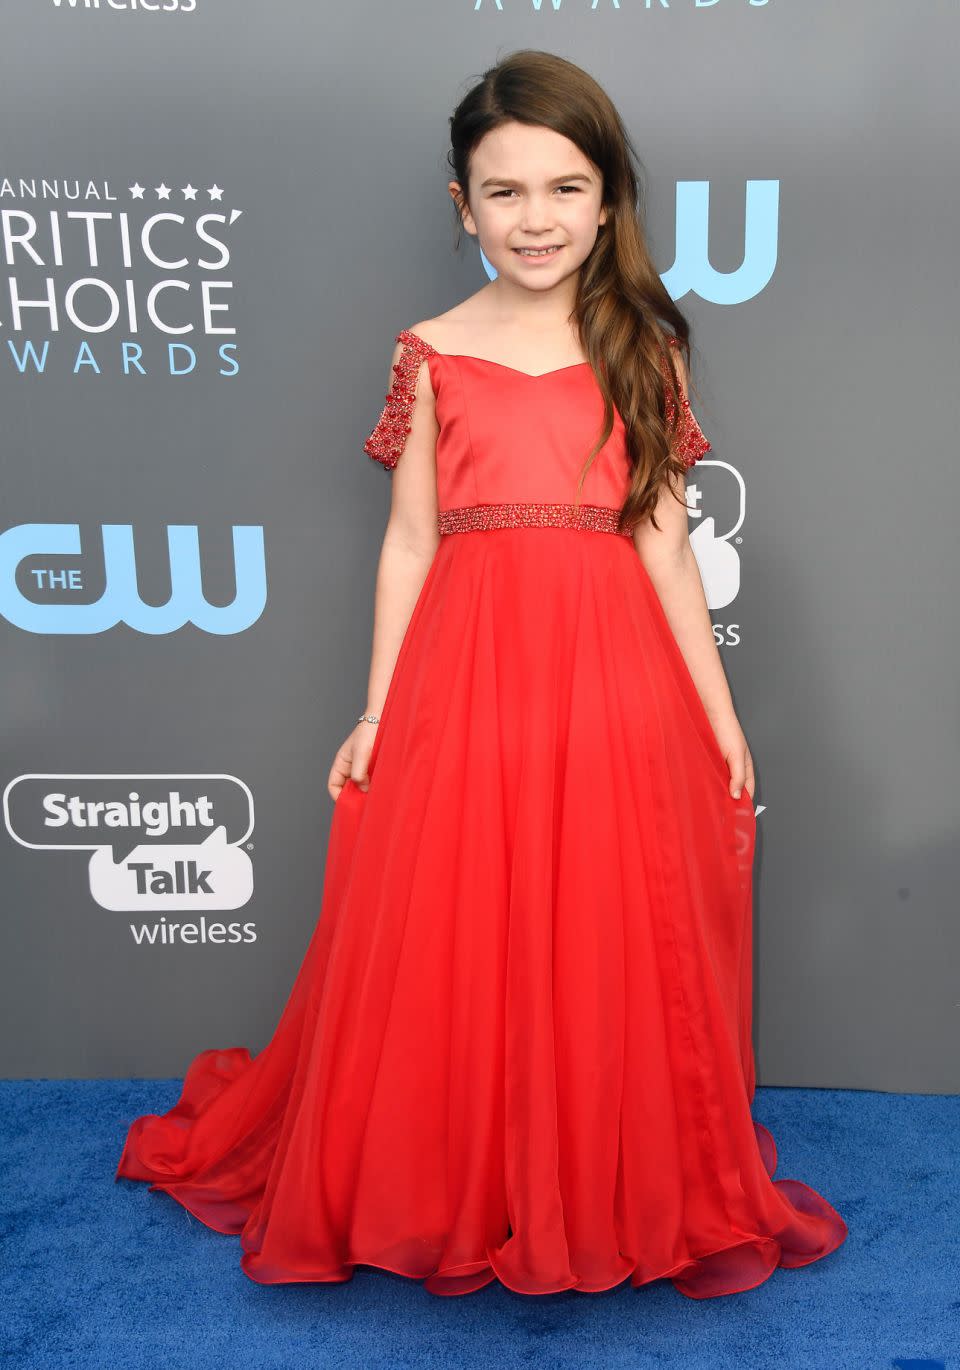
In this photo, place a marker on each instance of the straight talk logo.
(167, 844)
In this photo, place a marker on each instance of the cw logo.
(691, 269)
(120, 601)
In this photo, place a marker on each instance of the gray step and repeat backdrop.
(216, 215)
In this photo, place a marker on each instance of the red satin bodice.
(511, 444)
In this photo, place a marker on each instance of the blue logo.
(120, 601)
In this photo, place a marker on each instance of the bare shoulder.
(430, 330)
(453, 329)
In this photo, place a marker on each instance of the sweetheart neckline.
(486, 361)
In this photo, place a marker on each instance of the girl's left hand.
(736, 753)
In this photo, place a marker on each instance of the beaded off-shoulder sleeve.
(689, 443)
(386, 442)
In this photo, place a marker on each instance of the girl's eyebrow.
(557, 180)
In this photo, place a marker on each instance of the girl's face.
(532, 187)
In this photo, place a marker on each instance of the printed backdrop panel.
(216, 216)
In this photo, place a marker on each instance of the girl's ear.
(463, 209)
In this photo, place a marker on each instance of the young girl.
(519, 1044)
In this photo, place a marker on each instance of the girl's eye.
(575, 189)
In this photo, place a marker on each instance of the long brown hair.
(621, 303)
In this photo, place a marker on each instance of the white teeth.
(537, 252)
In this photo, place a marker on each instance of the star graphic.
(215, 193)
(189, 192)
(163, 191)
(136, 191)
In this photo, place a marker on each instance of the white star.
(189, 192)
(215, 193)
(163, 191)
(136, 191)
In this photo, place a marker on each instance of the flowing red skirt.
(519, 1044)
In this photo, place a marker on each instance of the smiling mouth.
(550, 251)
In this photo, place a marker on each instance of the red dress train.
(519, 1043)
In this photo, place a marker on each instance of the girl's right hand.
(352, 759)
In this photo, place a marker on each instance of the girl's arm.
(410, 540)
(409, 545)
(672, 567)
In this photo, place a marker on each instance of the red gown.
(519, 1043)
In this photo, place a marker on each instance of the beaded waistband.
(598, 517)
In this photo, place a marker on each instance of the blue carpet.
(100, 1275)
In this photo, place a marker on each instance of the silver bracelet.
(369, 718)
